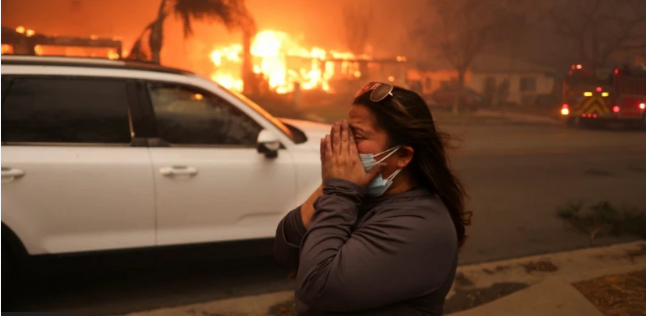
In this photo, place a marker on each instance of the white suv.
(101, 155)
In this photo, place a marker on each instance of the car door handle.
(12, 173)
(178, 171)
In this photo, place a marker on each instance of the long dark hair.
(414, 127)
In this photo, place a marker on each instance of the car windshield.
(284, 129)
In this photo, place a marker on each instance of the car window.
(191, 116)
(258, 109)
(66, 110)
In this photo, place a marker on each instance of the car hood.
(313, 130)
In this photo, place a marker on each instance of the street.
(516, 175)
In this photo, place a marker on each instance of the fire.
(282, 62)
(7, 49)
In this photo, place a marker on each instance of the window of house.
(528, 84)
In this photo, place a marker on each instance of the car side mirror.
(268, 144)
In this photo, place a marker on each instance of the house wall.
(476, 81)
(544, 85)
(432, 80)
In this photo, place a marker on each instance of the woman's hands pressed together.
(340, 158)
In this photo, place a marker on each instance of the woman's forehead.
(359, 116)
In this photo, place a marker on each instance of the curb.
(543, 274)
(533, 272)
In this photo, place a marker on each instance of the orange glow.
(579, 67)
(20, 29)
(642, 106)
(7, 49)
(30, 33)
(282, 62)
(113, 55)
(77, 51)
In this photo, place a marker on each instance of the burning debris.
(285, 64)
(23, 41)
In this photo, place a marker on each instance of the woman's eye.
(358, 137)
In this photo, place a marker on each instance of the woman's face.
(369, 137)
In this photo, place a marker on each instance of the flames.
(282, 62)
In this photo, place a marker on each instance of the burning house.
(280, 64)
(22, 41)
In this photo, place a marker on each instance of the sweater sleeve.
(289, 236)
(396, 256)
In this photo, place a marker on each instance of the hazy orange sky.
(317, 23)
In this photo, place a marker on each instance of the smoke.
(315, 23)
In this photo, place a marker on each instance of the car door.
(211, 182)
(72, 179)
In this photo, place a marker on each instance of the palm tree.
(232, 13)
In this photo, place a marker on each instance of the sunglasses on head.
(378, 92)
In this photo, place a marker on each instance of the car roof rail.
(89, 62)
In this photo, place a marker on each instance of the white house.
(526, 80)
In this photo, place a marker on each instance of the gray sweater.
(393, 255)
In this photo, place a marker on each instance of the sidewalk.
(548, 279)
(536, 285)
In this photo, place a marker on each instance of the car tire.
(11, 278)
(14, 262)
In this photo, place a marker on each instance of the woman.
(381, 235)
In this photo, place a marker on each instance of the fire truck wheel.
(574, 122)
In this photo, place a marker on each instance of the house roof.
(489, 64)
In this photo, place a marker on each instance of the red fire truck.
(593, 98)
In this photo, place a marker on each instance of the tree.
(460, 29)
(232, 13)
(502, 94)
(601, 28)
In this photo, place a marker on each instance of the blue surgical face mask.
(378, 186)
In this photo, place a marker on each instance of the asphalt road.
(517, 177)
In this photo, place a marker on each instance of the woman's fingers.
(354, 153)
(336, 138)
(345, 138)
(328, 148)
(323, 147)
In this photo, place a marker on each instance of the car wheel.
(14, 265)
(10, 278)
